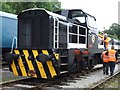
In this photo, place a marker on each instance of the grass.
(113, 83)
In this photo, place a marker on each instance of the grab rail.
(14, 39)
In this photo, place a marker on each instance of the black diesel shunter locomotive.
(47, 40)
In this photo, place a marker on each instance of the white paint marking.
(24, 86)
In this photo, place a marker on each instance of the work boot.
(103, 72)
(106, 73)
(111, 74)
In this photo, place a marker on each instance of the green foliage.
(114, 31)
(17, 7)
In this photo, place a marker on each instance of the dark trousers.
(112, 67)
(105, 68)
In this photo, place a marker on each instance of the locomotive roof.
(75, 10)
(8, 15)
(56, 14)
(48, 12)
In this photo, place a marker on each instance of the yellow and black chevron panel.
(25, 66)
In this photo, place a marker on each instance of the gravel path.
(7, 76)
(86, 82)
(90, 80)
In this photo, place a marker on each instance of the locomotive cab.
(81, 18)
(75, 15)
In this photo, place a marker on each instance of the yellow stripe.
(20, 62)
(50, 65)
(57, 56)
(14, 68)
(39, 64)
(29, 62)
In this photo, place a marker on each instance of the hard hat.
(105, 34)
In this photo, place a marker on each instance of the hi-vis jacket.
(105, 57)
(112, 55)
(106, 40)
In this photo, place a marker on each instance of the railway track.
(28, 83)
(35, 83)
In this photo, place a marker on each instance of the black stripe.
(50, 51)
(39, 51)
(34, 64)
(47, 71)
(45, 67)
(17, 67)
(10, 68)
(24, 61)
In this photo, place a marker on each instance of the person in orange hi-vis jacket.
(105, 40)
(105, 60)
(112, 54)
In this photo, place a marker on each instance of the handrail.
(56, 26)
(15, 38)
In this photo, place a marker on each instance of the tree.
(17, 7)
(114, 31)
